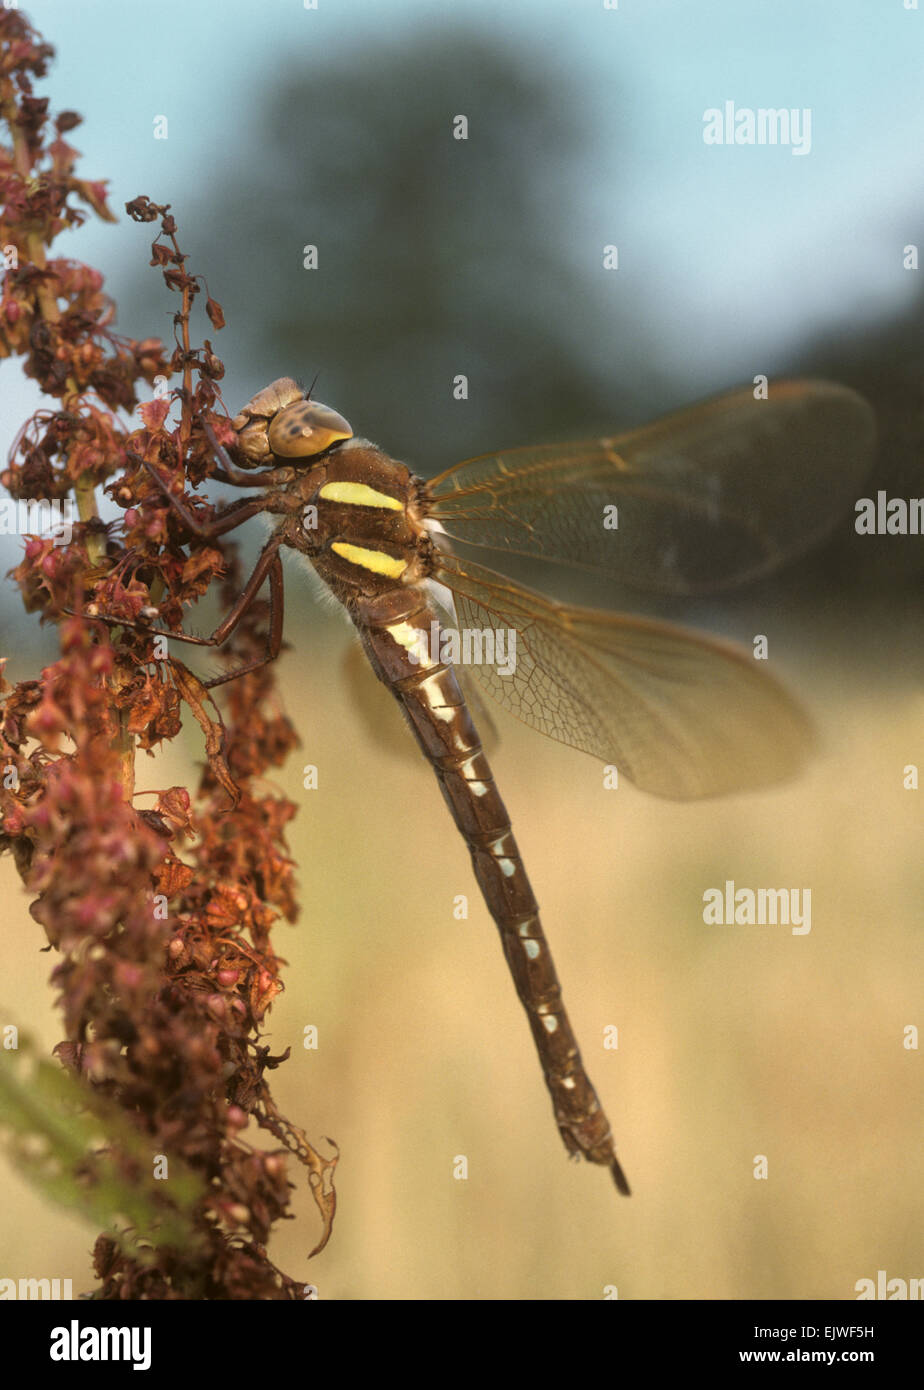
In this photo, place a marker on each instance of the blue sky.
(855, 63)
(735, 236)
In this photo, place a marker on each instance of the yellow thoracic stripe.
(359, 495)
(375, 560)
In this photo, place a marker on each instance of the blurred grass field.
(734, 1041)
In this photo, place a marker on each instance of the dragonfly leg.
(228, 473)
(268, 565)
(232, 516)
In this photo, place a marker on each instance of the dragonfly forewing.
(707, 497)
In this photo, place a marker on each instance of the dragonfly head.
(306, 429)
(282, 421)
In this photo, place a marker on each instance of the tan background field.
(733, 1041)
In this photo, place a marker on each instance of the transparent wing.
(704, 498)
(681, 715)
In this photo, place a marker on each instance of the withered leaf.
(320, 1169)
(172, 876)
(176, 804)
(214, 311)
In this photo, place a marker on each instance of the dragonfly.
(710, 496)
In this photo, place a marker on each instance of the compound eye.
(305, 429)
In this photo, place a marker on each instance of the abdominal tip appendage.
(619, 1178)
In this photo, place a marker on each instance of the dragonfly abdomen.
(397, 633)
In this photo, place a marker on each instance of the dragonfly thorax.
(361, 522)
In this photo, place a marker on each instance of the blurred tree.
(437, 255)
(886, 365)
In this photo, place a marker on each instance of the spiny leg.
(235, 514)
(268, 564)
(229, 473)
